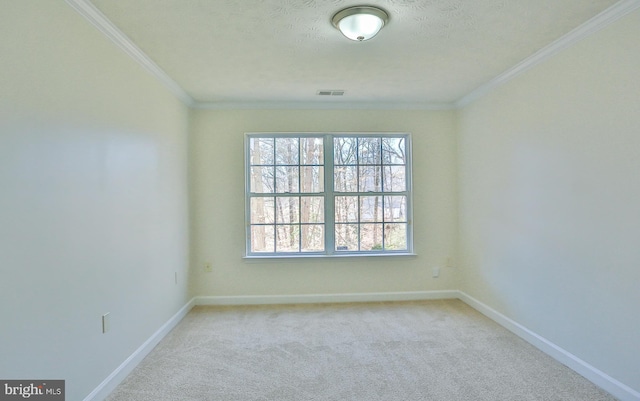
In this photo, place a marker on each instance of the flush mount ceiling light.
(360, 22)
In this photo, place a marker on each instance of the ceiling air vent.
(332, 92)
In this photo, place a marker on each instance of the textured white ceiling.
(431, 51)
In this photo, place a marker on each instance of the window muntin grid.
(328, 194)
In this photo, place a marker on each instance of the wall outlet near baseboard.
(435, 272)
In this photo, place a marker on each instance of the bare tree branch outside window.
(289, 192)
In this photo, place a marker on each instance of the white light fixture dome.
(360, 22)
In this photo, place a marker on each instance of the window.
(328, 194)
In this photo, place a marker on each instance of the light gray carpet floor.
(397, 351)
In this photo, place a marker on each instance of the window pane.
(346, 208)
(287, 211)
(369, 150)
(312, 150)
(312, 238)
(395, 237)
(394, 179)
(261, 151)
(345, 179)
(287, 180)
(312, 209)
(345, 150)
(312, 179)
(261, 180)
(395, 208)
(370, 179)
(287, 151)
(262, 211)
(371, 208)
(288, 238)
(262, 239)
(371, 237)
(393, 151)
(346, 237)
(288, 187)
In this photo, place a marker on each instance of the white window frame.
(329, 195)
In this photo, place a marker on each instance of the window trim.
(329, 196)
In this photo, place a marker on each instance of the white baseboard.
(597, 377)
(325, 298)
(117, 376)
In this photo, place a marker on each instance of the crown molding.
(100, 21)
(321, 106)
(600, 21)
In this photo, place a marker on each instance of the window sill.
(331, 256)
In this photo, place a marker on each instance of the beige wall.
(541, 174)
(550, 200)
(93, 199)
(217, 181)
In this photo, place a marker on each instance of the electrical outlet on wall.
(436, 272)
